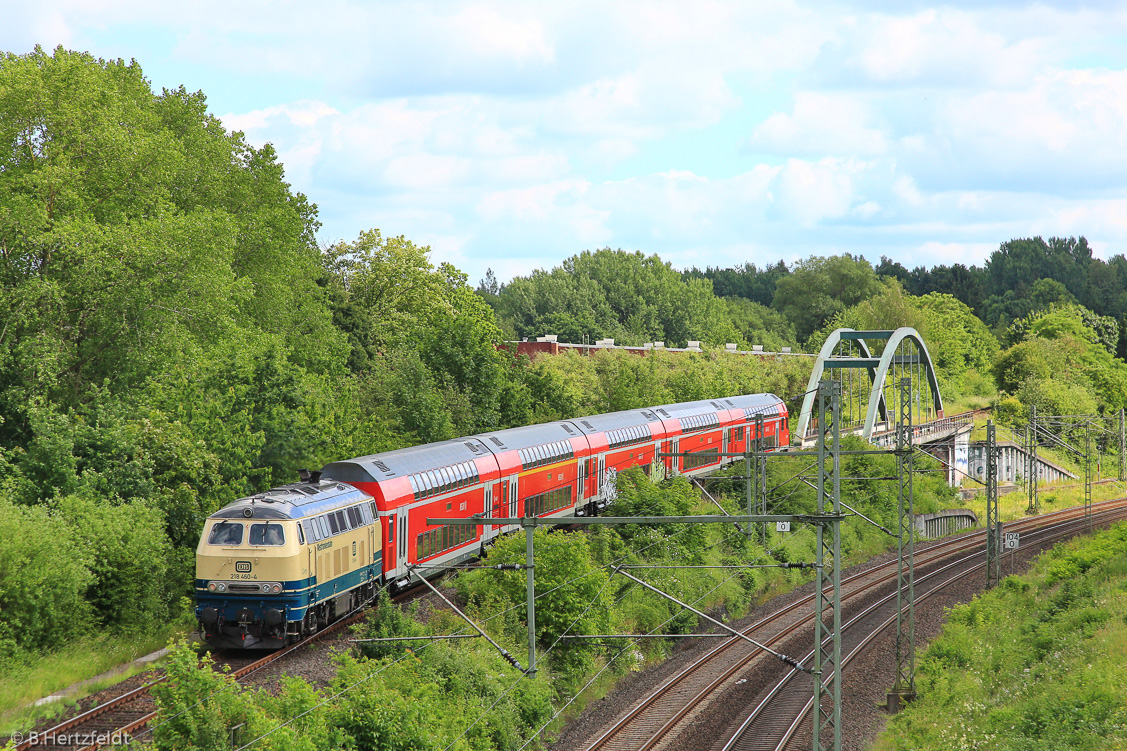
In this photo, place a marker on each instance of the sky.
(513, 135)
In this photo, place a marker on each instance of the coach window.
(342, 521)
(267, 534)
(414, 485)
(391, 529)
(300, 535)
(448, 477)
(434, 481)
(226, 533)
(334, 527)
(354, 516)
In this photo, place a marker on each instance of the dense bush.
(128, 554)
(43, 578)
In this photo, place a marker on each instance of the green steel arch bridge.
(870, 365)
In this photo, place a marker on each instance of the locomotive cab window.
(267, 534)
(226, 533)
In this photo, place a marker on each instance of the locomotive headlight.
(217, 586)
(271, 588)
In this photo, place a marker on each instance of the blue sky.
(513, 135)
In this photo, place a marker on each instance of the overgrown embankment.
(1040, 662)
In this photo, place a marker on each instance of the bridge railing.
(884, 433)
(925, 432)
(944, 523)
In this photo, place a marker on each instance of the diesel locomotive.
(281, 564)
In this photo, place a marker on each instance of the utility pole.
(905, 688)
(993, 526)
(761, 475)
(1122, 449)
(530, 594)
(1088, 474)
(827, 725)
(1034, 463)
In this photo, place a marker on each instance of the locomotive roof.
(294, 501)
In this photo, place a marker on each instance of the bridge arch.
(892, 361)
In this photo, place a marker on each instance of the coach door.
(513, 510)
(601, 478)
(724, 446)
(499, 509)
(402, 538)
(580, 477)
(677, 464)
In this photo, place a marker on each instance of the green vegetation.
(462, 694)
(1037, 663)
(173, 338)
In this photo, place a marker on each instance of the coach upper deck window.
(267, 534)
(226, 533)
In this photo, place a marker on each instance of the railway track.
(780, 716)
(667, 712)
(123, 718)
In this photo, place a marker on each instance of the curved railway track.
(668, 711)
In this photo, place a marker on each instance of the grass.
(1038, 662)
(1051, 497)
(24, 682)
(962, 404)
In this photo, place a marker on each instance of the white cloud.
(822, 123)
(945, 45)
(509, 134)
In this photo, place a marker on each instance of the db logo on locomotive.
(242, 566)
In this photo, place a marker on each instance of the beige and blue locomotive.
(277, 566)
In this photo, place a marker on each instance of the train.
(277, 566)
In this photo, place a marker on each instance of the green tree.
(630, 297)
(818, 288)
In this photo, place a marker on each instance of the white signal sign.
(1011, 540)
(782, 526)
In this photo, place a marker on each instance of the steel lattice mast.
(827, 662)
(905, 688)
(1034, 474)
(993, 554)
